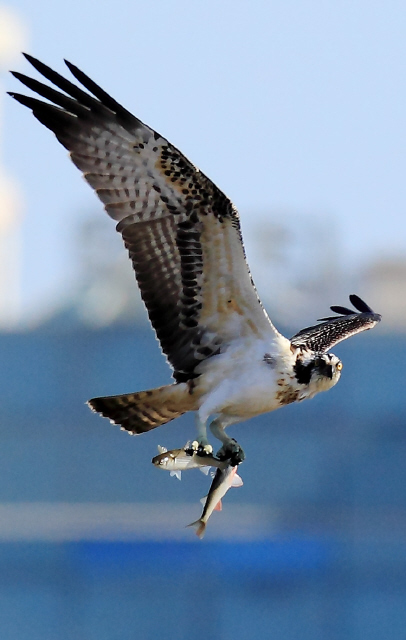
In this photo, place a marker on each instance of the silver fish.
(224, 478)
(178, 460)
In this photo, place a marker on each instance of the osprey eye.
(339, 366)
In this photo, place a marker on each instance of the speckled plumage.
(184, 240)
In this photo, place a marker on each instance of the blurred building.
(297, 274)
(385, 279)
(93, 543)
(289, 254)
(105, 290)
(12, 41)
(295, 271)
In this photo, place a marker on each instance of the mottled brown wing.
(322, 337)
(181, 232)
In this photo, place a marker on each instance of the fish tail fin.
(205, 470)
(237, 481)
(199, 526)
(145, 410)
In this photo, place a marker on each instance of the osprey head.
(319, 372)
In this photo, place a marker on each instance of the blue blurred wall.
(333, 470)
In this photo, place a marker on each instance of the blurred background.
(296, 110)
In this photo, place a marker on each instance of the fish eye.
(339, 366)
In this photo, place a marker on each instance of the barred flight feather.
(182, 233)
(322, 337)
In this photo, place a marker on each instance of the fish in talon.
(178, 460)
(223, 480)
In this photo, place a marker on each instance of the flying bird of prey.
(184, 240)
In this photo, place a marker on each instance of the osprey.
(183, 237)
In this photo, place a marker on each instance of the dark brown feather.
(163, 206)
(333, 329)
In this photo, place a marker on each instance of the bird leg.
(230, 450)
(201, 444)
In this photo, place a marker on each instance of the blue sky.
(287, 106)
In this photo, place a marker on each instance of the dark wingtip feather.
(96, 104)
(28, 57)
(25, 100)
(343, 310)
(360, 304)
(72, 67)
(101, 94)
(37, 64)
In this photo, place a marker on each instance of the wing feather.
(182, 233)
(333, 329)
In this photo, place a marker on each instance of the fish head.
(166, 459)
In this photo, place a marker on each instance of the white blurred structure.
(385, 283)
(12, 40)
(295, 265)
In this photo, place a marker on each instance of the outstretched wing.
(182, 233)
(333, 329)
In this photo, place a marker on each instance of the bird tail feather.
(145, 410)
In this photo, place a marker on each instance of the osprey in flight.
(183, 237)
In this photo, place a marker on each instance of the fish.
(224, 478)
(178, 460)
